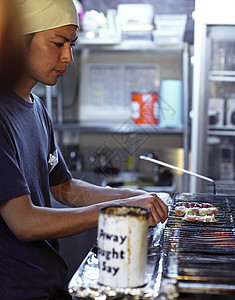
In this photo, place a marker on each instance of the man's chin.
(50, 82)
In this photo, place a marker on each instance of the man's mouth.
(60, 72)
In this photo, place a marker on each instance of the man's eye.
(72, 44)
(59, 45)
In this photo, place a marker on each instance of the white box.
(230, 112)
(171, 22)
(216, 111)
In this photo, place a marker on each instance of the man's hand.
(158, 209)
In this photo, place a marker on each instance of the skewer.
(175, 217)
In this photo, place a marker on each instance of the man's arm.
(29, 222)
(78, 193)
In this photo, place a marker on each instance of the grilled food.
(193, 218)
(193, 204)
(194, 211)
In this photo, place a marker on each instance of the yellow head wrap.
(39, 15)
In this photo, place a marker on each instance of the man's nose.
(67, 54)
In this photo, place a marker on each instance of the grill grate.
(202, 252)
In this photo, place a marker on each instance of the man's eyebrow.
(65, 38)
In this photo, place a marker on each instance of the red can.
(145, 108)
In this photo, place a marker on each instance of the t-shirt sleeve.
(60, 173)
(12, 181)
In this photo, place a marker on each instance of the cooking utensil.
(155, 161)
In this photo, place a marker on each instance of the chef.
(32, 166)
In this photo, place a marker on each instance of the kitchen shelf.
(118, 128)
(222, 131)
(137, 46)
(222, 75)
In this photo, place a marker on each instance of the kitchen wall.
(160, 6)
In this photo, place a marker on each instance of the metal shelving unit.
(82, 51)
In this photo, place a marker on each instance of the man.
(32, 166)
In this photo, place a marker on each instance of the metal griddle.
(200, 257)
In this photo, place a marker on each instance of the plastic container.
(135, 14)
(173, 22)
(171, 103)
(169, 28)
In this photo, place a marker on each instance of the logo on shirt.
(53, 160)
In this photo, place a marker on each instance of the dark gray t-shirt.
(29, 270)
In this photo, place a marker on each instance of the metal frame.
(207, 12)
